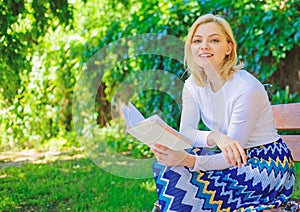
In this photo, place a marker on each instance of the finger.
(231, 157)
(158, 150)
(237, 156)
(161, 147)
(225, 153)
(154, 151)
(243, 154)
(157, 153)
(159, 156)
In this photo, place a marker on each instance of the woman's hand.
(232, 149)
(173, 158)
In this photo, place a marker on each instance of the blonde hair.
(230, 65)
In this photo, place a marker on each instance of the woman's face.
(210, 46)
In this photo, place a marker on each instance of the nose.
(204, 45)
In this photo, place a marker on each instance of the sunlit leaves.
(44, 45)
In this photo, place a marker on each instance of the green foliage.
(23, 26)
(266, 31)
(285, 96)
(45, 45)
(30, 101)
(42, 107)
(121, 142)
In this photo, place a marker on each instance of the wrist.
(190, 161)
(214, 138)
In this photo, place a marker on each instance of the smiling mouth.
(206, 55)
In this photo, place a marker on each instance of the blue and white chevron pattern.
(266, 181)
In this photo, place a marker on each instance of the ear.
(229, 49)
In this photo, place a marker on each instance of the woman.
(240, 163)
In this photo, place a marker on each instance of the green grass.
(72, 185)
(296, 193)
(77, 185)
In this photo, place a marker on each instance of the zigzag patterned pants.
(266, 181)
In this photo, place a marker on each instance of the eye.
(197, 41)
(214, 40)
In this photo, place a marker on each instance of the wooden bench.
(287, 118)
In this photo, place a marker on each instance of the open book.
(153, 130)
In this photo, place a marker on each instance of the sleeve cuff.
(199, 161)
(201, 139)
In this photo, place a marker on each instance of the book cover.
(153, 130)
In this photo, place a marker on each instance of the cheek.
(194, 49)
(222, 52)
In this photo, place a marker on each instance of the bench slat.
(293, 142)
(287, 116)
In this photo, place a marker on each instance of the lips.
(205, 55)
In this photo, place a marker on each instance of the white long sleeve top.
(240, 110)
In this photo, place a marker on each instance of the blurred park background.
(45, 46)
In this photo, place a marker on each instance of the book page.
(132, 115)
(153, 130)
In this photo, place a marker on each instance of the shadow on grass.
(70, 185)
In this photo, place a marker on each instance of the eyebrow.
(208, 36)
